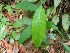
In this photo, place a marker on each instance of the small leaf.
(1, 7)
(2, 33)
(8, 7)
(26, 6)
(69, 36)
(46, 41)
(5, 21)
(39, 3)
(66, 47)
(2, 30)
(50, 10)
(1, 15)
(11, 40)
(21, 22)
(65, 22)
(25, 34)
(38, 26)
(43, 1)
(15, 36)
(52, 36)
(50, 24)
(56, 3)
(55, 19)
(1, 25)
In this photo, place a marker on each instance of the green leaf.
(25, 34)
(1, 7)
(39, 3)
(56, 3)
(11, 40)
(52, 36)
(31, 0)
(65, 22)
(3, 21)
(43, 1)
(26, 6)
(15, 36)
(55, 19)
(50, 24)
(1, 25)
(66, 47)
(69, 36)
(50, 10)
(1, 15)
(46, 41)
(2, 33)
(8, 7)
(21, 22)
(38, 26)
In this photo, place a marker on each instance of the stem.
(61, 34)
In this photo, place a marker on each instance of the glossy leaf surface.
(38, 26)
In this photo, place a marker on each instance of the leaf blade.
(56, 3)
(38, 26)
(26, 6)
(66, 47)
(21, 22)
(65, 22)
(55, 19)
(25, 34)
